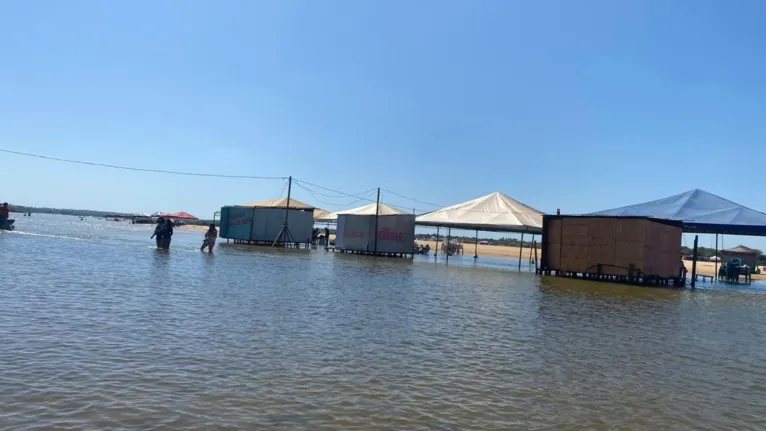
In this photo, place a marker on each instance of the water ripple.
(106, 332)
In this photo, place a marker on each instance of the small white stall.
(366, 230)
(262, 222)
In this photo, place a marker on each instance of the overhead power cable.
(306, 183)
(339, 194)
(362, 196)
(129, 168)
(413, 199)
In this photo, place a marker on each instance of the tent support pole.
(530, 250)
(694, 263)
(716, 261)
(476, 246)
(436, 249)
(449, 233)
(377, 213)
(535, 247)
(521, 249)
(284, 235)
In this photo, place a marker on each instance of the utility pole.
(377, 214)
(284, 233)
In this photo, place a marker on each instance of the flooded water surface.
(100, 330)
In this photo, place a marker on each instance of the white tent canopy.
(383, 210)
(319, 214)
(280, 203)
(495, 212)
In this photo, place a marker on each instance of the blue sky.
(575, 105)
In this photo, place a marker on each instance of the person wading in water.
(167, 233)
(210, 237)
(158, 231)
(4, 214)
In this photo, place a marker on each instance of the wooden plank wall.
(602, 244)
(580, 244)
(662, 249)
(630, 236)
(553, 243)
(574, 244)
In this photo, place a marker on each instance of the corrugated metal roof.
(740, 249)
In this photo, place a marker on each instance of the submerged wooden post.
(534, 244)
(436, 249)
(694, 262)
(715, 274)
(476, 246)
(449, 233)
(521, 249)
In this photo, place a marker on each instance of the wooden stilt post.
(476, 246)
(436, 249)
(449, 233)
(694, 263)
(535, 247)
(521, 249)
(530, 250)
(715, 275)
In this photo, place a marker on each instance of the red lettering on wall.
(240, 219)
(387, 234)
(355, 234)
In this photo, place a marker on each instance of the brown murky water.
(99, 330)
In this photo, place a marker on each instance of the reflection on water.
(101, 330)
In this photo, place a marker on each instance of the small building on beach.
(632, 249)
(263, 223)
(376, 229)
(701, 212)
(747, 255)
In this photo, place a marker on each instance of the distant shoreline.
(88, 213)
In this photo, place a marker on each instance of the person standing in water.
(210, 237)
(4, 214)
(158, 231)
(167, 233)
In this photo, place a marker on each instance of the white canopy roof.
(384, 210)
(495, 212)
(280, 203)
(319, 214)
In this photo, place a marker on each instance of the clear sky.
(578, 105)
